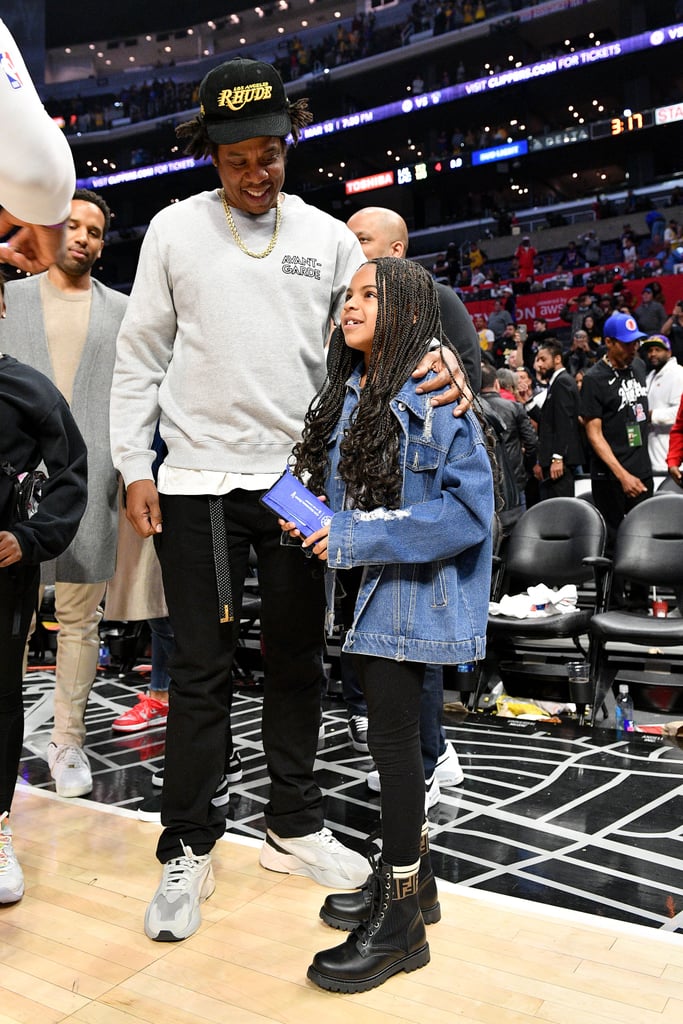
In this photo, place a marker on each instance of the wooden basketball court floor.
(73, 949)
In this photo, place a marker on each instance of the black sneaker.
(358, 733)
(150, 808)
(233, 774)
(222, 795)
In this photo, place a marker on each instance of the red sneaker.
(147, 712)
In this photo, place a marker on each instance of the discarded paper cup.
(660, 609)
(578, 674)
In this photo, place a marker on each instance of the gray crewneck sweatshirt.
(225, 349)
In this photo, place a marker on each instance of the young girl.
(409, 543)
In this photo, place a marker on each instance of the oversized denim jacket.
(424, 590)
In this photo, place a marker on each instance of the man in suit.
(64, 323)
(559, 439)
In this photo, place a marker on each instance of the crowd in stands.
(582, 321)
(623, 378)
(307, 53)
(585, 262)
(339, 47)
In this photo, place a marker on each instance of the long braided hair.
(407, 321)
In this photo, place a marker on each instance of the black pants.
(609, 498)
(563, 487)
(392, 691)
(197, 732)
(18, 591)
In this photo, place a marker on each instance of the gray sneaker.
(11, 875)
(70, 769)
(319, 856)
(186, 882)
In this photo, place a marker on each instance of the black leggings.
(18, 591)
(392, 690)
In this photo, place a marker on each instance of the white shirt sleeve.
(37, 175)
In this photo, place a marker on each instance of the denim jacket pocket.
(421, 457)
(422, 462)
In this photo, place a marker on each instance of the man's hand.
(556, 469)
(142, 508)
(538, 472)
(33, 247)
(10, 549)
(631, 485)
(460, 392)
(675, 474)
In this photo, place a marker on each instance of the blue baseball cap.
(622, 327)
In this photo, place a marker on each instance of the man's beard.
(72, 267)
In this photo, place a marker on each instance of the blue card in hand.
(290, 500)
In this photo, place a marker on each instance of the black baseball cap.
(243, 99)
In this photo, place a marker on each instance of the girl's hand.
(293, 530)
(289, 528)
(317, 543)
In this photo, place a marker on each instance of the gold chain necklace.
(236, 235)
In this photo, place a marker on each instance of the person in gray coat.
(64, 323)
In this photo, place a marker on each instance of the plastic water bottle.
(105, 655)
(624, 711)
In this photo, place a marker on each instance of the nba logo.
(10, 71)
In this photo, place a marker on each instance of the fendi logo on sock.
(405, 887)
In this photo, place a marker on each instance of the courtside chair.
(557, 541)
(648, 550)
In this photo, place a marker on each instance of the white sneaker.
(11, 875)
(186, 882)
(70, 769)
(432, 791)
(372, 779)
(319, 856)
(448, 770)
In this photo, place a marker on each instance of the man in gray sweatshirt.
(224, 344)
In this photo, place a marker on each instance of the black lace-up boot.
(346, 910)
(393, 939)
